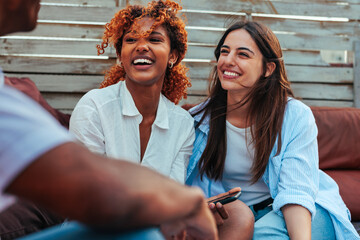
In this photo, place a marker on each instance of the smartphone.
(227, 198)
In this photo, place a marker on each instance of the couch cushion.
(339, 137)
(28, 87)
(349, 185)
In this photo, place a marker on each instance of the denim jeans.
(74, 230)
(269, 225)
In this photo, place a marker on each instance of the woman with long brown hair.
(133, 116)
(252, 133)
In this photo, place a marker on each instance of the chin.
(29, 27)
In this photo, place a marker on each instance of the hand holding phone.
(227, 197)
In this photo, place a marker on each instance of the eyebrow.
(152, 33)
(239, 48)
(156, 33)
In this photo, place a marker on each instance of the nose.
(229, 59)
(142, 45)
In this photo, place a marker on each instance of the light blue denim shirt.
(293, 176)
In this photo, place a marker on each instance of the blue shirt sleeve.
(297, 165)
(26, 132)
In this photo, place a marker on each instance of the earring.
(171, 65)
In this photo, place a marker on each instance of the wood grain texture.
(60, 54)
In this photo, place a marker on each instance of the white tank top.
(237, 167)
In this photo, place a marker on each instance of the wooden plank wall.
(60, 55)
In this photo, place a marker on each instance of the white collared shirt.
(107, 122)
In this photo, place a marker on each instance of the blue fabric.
(269, 225)
(293, 176)
(77, 231)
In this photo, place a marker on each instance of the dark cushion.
(28, 87)
(349, 185)
(339, 137)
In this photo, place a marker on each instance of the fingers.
(236, 189)
(222, 211)
(218, 219)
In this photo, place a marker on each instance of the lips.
(142, 60)
(230, 74)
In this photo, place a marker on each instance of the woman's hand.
(218, 209)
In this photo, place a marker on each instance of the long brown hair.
(164, 12)
(267, 100)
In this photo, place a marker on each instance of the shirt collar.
(162, 117)
(127, 102)
(205, 125)
(129, 108)
(1, 78)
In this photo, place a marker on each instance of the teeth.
(142, 60)
(231, 74)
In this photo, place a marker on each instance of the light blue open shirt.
(293, 176)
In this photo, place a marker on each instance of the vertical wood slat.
(357, 74)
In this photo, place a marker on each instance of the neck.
(146, 98)
(236, 111)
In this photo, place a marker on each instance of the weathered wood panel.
(90, 31)
(123, 2)
(323, 91)
(320, 103)
(79, 46)
(63, 83)
(83, 83)
(80, 13)
(357, 75)
(295, 73)
(66, 102)
(55, 65)
(74, 27)
(62, 101)
(305, 8)
(63, 65)
(106, 3)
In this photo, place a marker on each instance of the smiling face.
(145, 59)
(240, 63)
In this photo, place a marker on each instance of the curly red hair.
(164, 13)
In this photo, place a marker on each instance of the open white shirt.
(107, 122)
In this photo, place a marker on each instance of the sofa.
(339, 151)
(338, 141)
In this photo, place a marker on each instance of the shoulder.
(198, 113)
(297, 111)
(298, 121)
(177, 112)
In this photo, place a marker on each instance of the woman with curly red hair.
(133, 116)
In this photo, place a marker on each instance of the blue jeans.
(269, 225)
(74, 230)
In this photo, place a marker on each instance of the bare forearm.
(298, 221)
(101, 192)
